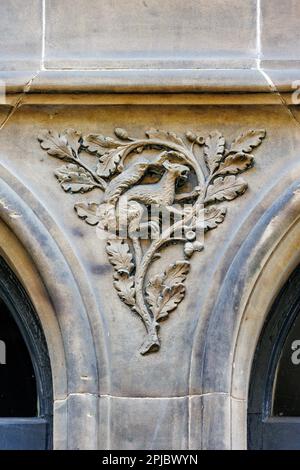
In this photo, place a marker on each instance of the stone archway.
(257, 271)
(27, 245)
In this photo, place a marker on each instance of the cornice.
(160, 86)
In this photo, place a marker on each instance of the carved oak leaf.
(168, 300)
(246, 141)
(119, 256)
(214, 150)
(124, 285)
(64, 146)
(88, 212)
(98, 143)
(225, 188)
(108, 162)
(75, 179)
(108, 219)
(235, 163)
(74, 140)
(212, 217)
(164, 135)
(162, 293)
(176, 273)
(153, 290)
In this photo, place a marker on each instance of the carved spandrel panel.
(141, 179)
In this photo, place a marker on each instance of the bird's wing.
(127, 178)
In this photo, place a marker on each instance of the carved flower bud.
(121, 133)
(190, 136)
(190, 235)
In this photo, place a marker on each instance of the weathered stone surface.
(78, 350)
(238, 418)
(60, 424)
(152, 81)
(215, 419)
(21, 35)
(82, 412)
(149, 34)
(143, 423)
(280, 37)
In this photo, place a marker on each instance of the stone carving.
(185, 178)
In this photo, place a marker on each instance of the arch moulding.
(30, 250)
(269, 254)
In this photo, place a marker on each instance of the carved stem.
(137, 250)
(166, 235)
(151, 341)
(140, 307)
(143, 266)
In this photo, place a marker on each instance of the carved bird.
(127, 178)
(133, 174)
(131, 200)
(162, 192)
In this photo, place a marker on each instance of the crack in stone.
(179, 397)
(19, 101)
(275, 91)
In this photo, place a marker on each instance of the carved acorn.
(195, 138)
(200, 140)
(190, 235)
(121, 133)
(191, 247)
(190, 136)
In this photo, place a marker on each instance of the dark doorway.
(18, 391)
(25, 372)
(274, 395)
